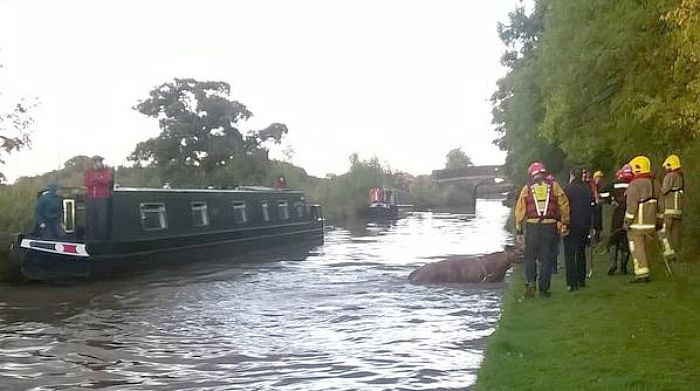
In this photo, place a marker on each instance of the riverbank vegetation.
(611, 335)
(598, 82)
(202, 144)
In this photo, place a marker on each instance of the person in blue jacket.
(48, 214)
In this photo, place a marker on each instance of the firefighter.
(618, 244)
(643, 215)
(672, 192)
(544, 208)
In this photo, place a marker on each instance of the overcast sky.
(403, 80)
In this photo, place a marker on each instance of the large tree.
(200, 132)
(518, 101)
(456, 158)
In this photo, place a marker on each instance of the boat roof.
(240, 189)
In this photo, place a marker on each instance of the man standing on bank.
(644, 215)
(582, 206)
(98, 180)
(544, 207)
(672, 190)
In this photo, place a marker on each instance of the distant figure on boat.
(467, 269)
(280, 183)
(48, 213)
(99, 182)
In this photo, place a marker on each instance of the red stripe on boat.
(70, 248)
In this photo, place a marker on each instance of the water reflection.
(335, 317)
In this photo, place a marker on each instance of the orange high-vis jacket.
(562, 206)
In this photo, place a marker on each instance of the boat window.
(69, 215)
(239, 212)
(265, 211)
(283, 210)
(153, 216)
(200, 217)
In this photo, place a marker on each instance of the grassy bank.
(610, 335)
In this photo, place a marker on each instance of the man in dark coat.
(582, 203)
(48, 213)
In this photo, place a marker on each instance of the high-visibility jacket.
(542, 202)
(644, 206)
(672, 191)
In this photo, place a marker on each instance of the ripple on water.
(341, 317)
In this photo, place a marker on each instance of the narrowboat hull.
(46, 260)
(393, 212)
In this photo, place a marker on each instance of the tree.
(456, 158)
(15, 128)
(76, 163)
(199, 130)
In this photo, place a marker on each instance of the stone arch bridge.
(462, 186)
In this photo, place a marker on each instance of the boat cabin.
(143, 213)
(379, 196)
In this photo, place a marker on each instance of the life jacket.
(542, 201)
(674, 198)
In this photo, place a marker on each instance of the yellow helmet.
(672, 163)
(598, 174)
(641, 165)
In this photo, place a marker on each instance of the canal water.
(340, 316)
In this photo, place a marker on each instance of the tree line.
(201, 144)
(598, 82)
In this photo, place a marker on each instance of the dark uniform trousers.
(575, 258)
(538, 247)
(97, 214)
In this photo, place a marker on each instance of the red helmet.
(536, 168)
(625, 174)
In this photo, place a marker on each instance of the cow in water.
(467, 268)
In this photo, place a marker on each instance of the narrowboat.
(384, 204)
(150, 226)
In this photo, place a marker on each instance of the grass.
(611, 335)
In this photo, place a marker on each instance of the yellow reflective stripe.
(675, 212)
(621, 185)
(543, 221)
(643, 226)
(642, 271)
(676, 200)
(629, 216)
(605, 195)
(659, 215)
(640, 214)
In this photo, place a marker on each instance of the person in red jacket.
(98, 180)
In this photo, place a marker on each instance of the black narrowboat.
(150, 227)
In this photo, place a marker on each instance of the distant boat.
(164, 226)
(384, 204)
